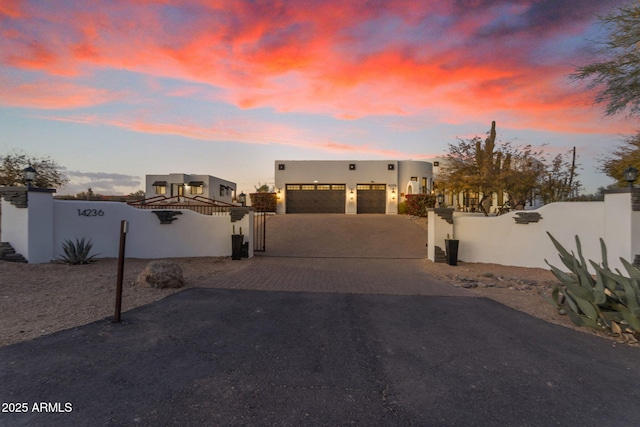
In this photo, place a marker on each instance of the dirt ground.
(39, 299)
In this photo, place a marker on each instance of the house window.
(281, 167)
(324, 187)
(352, 166)
(308, 187)
(436, 164)
(293, 187)
(338, 187)
(391, 167)
(160, 187)
(223, 191)
(195, 187)
(363, 187)
(414, 178)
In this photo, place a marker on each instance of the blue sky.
(116, 90)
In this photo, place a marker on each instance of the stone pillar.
(440, 227)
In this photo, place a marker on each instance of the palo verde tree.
(48, 173)
(617, 77)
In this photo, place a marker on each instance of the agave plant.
(77, 252)
(607, 301)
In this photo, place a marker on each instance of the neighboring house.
(348, 186)
(177, 185)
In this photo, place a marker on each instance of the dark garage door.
(315, 198)
(372, 198)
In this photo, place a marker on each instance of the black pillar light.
(242, 198)
(29, 175)
(630, 175)
(440, 199)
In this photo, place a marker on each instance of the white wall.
(15, 222)
(40, 227)
(190, 235)
(366, 172)
(500, 240)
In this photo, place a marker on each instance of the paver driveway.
(248, 356)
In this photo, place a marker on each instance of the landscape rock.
(161, 275)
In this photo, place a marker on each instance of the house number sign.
(90, 212)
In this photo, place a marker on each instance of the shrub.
(77, 252)
(402, 208)
(264, 202)
(609, 301)
(417, 204)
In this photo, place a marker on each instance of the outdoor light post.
(440, 200)
(630, 175)
(29, 175)
(242, 198)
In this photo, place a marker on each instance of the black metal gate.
(259, 231)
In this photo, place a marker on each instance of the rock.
(161, 274)
(487, 274)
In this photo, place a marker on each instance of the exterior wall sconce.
(279, 194)
(242, 198)
(29, 175)
(393, 194)
(351, 195)
(440, 199)
(630, 175)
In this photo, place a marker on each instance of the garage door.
(315, 198)
(372, 198)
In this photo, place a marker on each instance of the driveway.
(302, 340)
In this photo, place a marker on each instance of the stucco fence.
(520, 238)
(36, 225)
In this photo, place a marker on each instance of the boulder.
(161, 274)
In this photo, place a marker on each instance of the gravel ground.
(39, 299)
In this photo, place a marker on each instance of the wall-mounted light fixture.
(351, 195)
(393, 194)
(440, 199)
(279, 194)
(242, 198)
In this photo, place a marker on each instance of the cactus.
(77, 252)
(607, 301)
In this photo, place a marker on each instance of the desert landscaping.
(40, 299)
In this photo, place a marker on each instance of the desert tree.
(625, 155)
(48, 173)
(617, 76)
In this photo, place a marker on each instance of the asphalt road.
(239, 357)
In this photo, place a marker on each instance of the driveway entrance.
(346, 236)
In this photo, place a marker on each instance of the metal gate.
(259, 231)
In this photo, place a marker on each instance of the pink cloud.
(337, 58)
(54, 95)
(244, 131)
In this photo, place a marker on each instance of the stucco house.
(348, 186)
(177, 185)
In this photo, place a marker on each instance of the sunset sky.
(114, 90)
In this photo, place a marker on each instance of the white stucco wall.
(40, 235)
(338, 172)
(15, 223)
(498, 239)
(190, 235)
